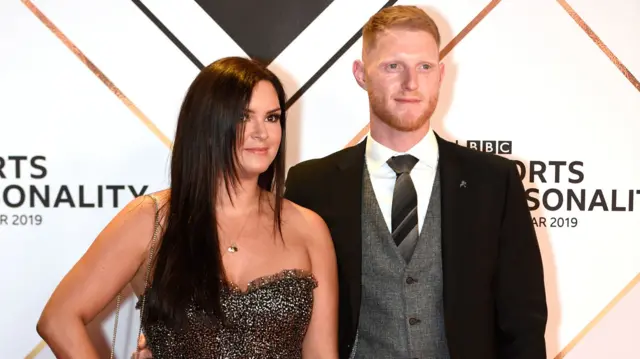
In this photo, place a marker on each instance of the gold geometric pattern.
(592, 35)
(36, 350)
(625, 71)
(99, 74)
(603, 313)
(447, 49)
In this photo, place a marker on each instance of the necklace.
(233, 247)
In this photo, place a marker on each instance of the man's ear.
(359, 74)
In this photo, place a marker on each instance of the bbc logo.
(497, 147)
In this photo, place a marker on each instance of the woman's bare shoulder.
(139, 214)
(304, 220)
(294, 211)
(315, 233)
(146, 205)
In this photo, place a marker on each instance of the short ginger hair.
(406, 17)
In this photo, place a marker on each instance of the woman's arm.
(103, 271)
(321, 340)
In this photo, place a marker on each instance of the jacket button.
(410, 280)
(414, 321)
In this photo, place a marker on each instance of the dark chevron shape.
(331, 61)
(168, 34)
(268, 45)
(263, 29)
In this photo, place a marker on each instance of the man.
(437, 254)
(438, 257)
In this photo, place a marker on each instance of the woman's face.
(262, 131)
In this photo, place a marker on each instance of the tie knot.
(402, 164)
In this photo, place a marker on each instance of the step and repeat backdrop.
(90, 94)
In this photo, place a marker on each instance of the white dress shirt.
(383, 178)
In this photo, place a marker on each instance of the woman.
(236, 271)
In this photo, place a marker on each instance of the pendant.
(232, 248)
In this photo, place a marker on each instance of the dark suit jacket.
(494, 295)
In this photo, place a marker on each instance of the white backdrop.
(94, 88)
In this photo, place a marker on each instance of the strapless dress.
(267, 320)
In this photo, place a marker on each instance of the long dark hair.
(188, 265)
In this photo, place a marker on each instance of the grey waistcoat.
(401, 313)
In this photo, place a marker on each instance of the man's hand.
(144, 353)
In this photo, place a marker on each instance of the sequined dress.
(267, 320)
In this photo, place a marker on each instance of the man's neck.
(399, 141)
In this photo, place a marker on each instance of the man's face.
(402, 75)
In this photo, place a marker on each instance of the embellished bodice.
(267, 320)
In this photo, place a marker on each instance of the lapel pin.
(463, 184)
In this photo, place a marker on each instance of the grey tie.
(404, 207)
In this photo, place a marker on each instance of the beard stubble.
(401, 124)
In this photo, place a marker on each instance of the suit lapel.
(347, 227)
(347, 221)
(452, 197)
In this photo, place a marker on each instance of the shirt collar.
(426, 151)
